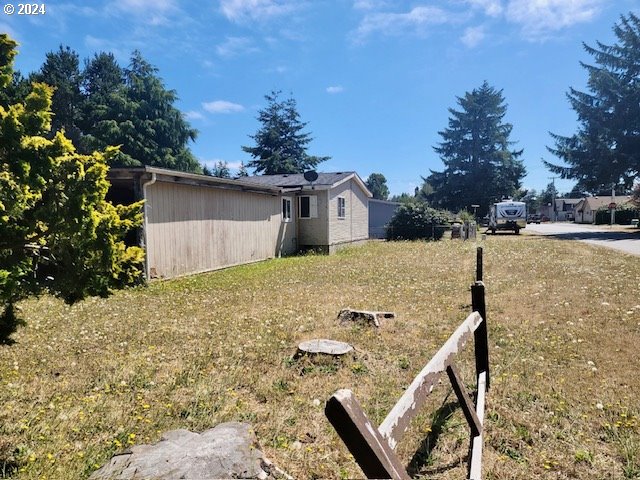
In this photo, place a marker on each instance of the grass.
(87, 381)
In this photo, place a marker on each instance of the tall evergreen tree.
(104, 92)
(108, 105)
(281, 146)
(479, 166)
(61, 70)
(377, 185)
(242, 171)
(154, 131)
(605, 150)
(221, 170)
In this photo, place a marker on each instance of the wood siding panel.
(195, 228)
(313, 231)
(355, 225)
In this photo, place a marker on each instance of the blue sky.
(373, 78)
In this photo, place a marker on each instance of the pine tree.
(281, 146)
(479, 166)
(221, 170)
(377, 185)
(242, 171)
(104, 93)
(57, 232)
(61, 70)
(107, 105)
(605, 150)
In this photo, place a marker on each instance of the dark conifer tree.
(605, 151)
(480, 168)
(281, 145)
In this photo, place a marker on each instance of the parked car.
(534, 218)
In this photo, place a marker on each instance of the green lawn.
(87, 381)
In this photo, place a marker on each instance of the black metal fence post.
(481, 334)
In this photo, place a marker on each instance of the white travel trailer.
(508, 215)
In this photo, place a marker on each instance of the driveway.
(625, 239)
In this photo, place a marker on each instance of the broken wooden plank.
(369, 449)
(468, 408)
(400, 416)
(475, 462)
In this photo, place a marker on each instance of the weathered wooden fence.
(373, 448)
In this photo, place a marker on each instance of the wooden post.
(481, 334)
(468, 408)
(479, 265)
(475, 462)
(369, 449)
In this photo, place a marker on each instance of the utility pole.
(613, 203)
(553, 200)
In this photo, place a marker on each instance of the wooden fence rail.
(373, 448)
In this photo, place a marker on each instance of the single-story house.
(565, 209)
(332, 211)
(586, 208)
(196, 223)
(380, 214)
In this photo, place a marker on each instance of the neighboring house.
(380, 214)
(565, 209)
(586, 208)
(196, 223)
(331, 212)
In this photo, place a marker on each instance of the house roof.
(176, 176)
(594, 203)
(297, 180)
(568, 201)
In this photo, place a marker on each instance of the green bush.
(414, 221)
(624, 215)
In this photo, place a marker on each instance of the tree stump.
(323, 346)
(348, 314)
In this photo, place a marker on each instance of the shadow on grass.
(9, 323)
(422, 457)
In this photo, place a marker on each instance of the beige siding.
(355, 225)
(196, 228)
(313, 231)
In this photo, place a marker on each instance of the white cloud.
(158, 12)
(222, 106)
(491, 8)
(233, 46)
(368, 4)
(473, 36)
(415, 20)
(539, 18)
(335, 89)
(193, 115)
(242, 10)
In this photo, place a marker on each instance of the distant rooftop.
(293, 180)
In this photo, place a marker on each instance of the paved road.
(619, 238)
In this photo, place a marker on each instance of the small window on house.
(286, 209)
(308, 206)
(341, 207)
